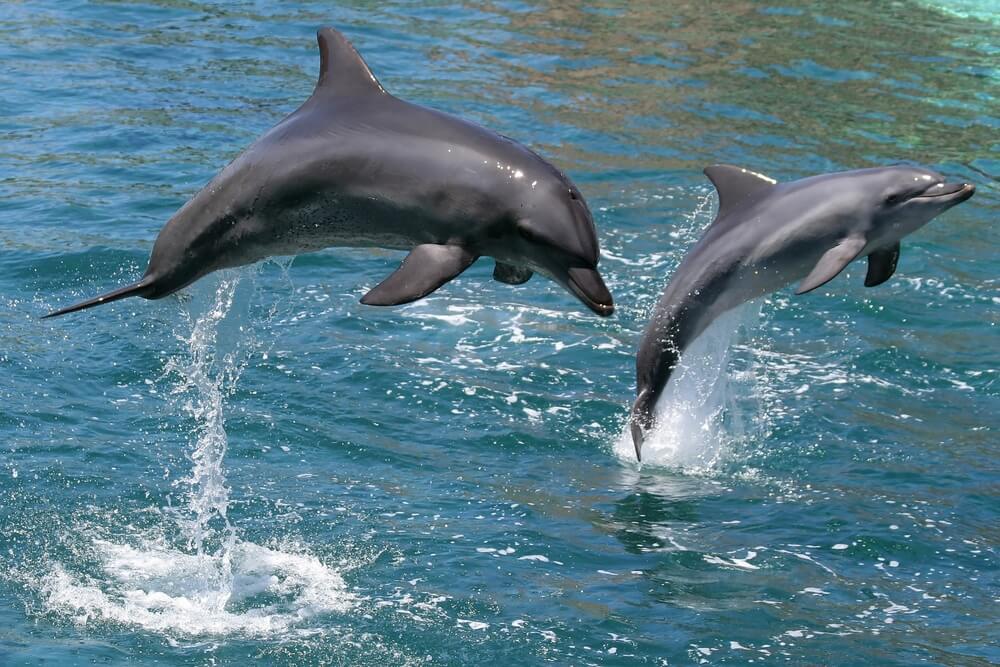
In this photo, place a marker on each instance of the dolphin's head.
(907, 198)
(553, 233)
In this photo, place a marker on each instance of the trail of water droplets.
(213, 583)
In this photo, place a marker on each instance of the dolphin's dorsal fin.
(342, 71)
(737, 187)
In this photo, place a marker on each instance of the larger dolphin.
(355, 166)
(767, 235)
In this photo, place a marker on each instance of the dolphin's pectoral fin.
(832, 262)
(737, 186)
(510, 274)
(881, 265)
(426, 268)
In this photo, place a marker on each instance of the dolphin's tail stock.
(640, 420)
(140, 288)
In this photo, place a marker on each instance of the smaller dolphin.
(767, 235)
(356, 166)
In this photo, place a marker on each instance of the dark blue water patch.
(605, 11)
(988, 121)
(831, 21)
(896, 87)
(753, 72)
(878, 138)
(649, 122)
(879, 116)
(679, 63)
(773, 140)
(813, 70)
(781, 11)
(738, 113)
(990, 167)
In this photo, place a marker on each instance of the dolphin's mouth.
(589, 287)
(957, 192)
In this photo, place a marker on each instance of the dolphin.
(356, 166)
(767, 235)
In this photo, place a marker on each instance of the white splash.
(209, 582)
(248, 589)
(698, 418)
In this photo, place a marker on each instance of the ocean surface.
(262, 469)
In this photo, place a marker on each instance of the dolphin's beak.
(954, 193)
(589, 287)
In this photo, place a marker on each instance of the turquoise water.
(262, 468)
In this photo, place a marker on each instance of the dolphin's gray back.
(353, 166)
(376, 167)
(687, 306)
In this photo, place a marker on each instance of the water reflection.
(802, 87)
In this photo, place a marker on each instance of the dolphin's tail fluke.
(637, 438)
(640, 420)
(141, 288)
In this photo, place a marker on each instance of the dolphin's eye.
(572, 195)
(892, 199)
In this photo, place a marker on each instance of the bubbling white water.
(212, 582)
(160, 588)
(699, 418)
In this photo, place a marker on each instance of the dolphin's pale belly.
(325, 222)
(751, 281)
(726, 290)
